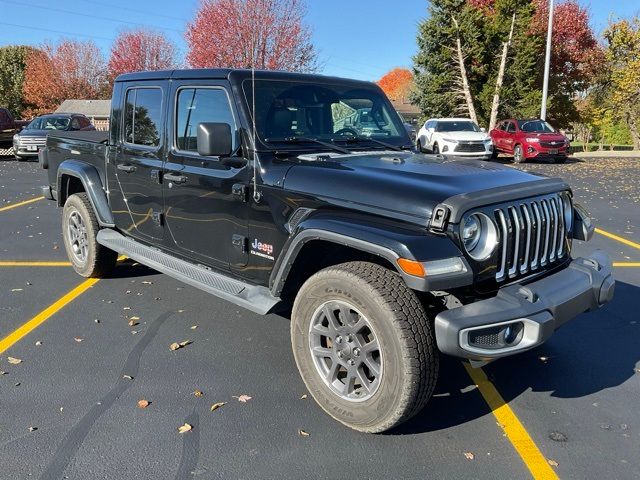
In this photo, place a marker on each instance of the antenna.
(256, 194)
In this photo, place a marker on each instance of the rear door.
(205, 216)
(140, 156)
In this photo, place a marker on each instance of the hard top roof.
(231, 74)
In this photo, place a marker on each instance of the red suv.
(526, 139)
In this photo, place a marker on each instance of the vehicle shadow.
(597, 351)
(131, 269)
(508, 160)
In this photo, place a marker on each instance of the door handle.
(175, 178)
(126, 168)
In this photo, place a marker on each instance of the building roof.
(90, 108)
(405, 107)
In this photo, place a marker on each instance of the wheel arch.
(322, 241)
(75, 177)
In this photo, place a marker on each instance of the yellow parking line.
(34, 264)
(515, 431)
(19, 204)
(44, 315)
(617, 238)
(626, 264)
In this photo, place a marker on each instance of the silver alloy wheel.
(77, 236)
(345, 351)
(517, 154)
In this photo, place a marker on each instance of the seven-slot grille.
(532, 235)
(470, 146)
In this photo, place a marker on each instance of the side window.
(75, 123)
(142, 116)
(500, 126)
(200, 105)
(511, 128)
(4, 118)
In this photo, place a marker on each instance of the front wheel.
(364, 346)
(79, 230)
(435, 149)
(518, 155)
(20, 158)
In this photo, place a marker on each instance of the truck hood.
(401, 185)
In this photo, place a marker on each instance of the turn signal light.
(411, 267)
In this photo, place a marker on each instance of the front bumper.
(477, 331)
(24, 151)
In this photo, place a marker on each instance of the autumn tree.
(623, 83)
(397, 83)
(139, 50)
(13, 62)
(266, 34)
(54, 73)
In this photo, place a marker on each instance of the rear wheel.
(518, 155)
(364, 346)
(79, 230)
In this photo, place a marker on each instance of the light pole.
(547, 61)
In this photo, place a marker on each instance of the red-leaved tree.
(71, 69)
(138, 50)
(266, 34)
(397, 83)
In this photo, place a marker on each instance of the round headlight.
(479, 236)
(471, 233)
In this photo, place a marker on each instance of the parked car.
(530, 138)
(9, 126)
(387, 256)
(411, 131)
(454, 136)
(33, 137)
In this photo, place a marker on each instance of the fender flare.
(90, 178)
(388, 243)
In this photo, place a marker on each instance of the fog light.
(494, 338)
(445, 148)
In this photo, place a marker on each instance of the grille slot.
(532, 235)
(39, 141)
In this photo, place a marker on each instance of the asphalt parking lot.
(89, 351)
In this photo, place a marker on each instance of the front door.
(509, 137)
(205, 216)
(139, 160)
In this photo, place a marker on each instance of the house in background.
(96, 110)
(409, 112)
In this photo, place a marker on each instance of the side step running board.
(255, 298)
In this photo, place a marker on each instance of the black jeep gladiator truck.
(251, 186)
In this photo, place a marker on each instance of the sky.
(361, 39)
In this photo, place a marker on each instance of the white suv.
(454, 136)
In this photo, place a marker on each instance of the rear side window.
(200, 105)
(142, 116)
(4, 118)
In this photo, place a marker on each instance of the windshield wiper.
(333, 147)
(360, 138)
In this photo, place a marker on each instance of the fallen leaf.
(38, 343)
(14, 361)
(184, 428)
(176, 345)
(303, 397)
(469, 455)
(143, 403)
(33, 429)
(78, 339)
(193, 327)
(198, 393)
(243, 398)
(2, 372)
(134, 318)
(126, 308)
(146, 282)
(302, 433)
(132, 322)
(16, 289)
(553, 463)
(128, 377)
(216, 406)
(180, 311)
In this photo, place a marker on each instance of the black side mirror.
(214, 139)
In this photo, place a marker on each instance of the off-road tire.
(99, 260)
(403, 330)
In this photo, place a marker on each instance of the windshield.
(286, 110)
(535, 126)
(457, 126)
(49, 123)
